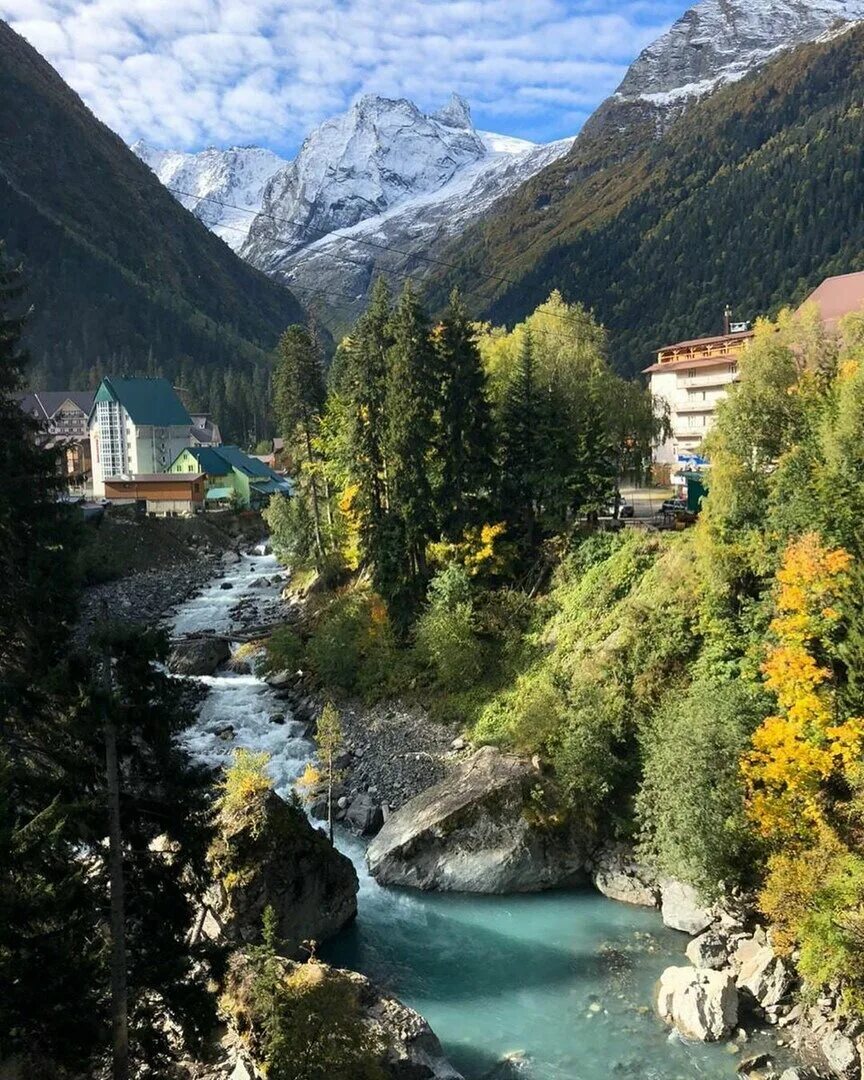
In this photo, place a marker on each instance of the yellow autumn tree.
(799, 750)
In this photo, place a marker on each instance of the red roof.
(839, 296)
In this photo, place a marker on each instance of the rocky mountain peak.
(714, 43)
(719, 41)
(456, 113)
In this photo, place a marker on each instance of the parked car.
(674, 506)
(624, 509)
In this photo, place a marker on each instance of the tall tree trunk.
(316, 515)
(330, 794)
(119, 992)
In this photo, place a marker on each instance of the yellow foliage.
(351, 519)
(797, 752)
(309, 781)
(481, 551)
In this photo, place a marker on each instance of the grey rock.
(493, 826)
(458, 744)
(616, 873)
(700, 1004)
(682, 909)
(708, 950)
(364, 816)
(198, 656)
(754, 1063)
(764, 976)
(226, 585)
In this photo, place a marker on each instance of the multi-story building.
(137, 427)
(692, 378)
(62, 418)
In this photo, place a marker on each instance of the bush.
(353, 649)
(300, 1021)
(445, 635)
(691, 805)
(283, 651)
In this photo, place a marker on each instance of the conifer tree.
(49, 948)
(521, 433)
(363, 382)
(409, 406)
(464, 436)
(300, 395)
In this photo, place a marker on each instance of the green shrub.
(353, 648)
(691, 805)
(445, 635)
(292, 530)
(283, 651)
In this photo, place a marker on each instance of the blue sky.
(192, 73)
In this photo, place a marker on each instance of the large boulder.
(364, 815)
(682, 908)
(700, 1004)
(494, 825)
(198, 656)
(763, 975)
(616, 874)
(284, 863)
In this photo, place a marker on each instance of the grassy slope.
(751, 198)
(111, 256)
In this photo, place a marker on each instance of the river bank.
(555, 986)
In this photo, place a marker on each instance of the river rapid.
(561, 981)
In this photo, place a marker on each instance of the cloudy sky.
(193, 73)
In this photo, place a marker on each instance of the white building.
(137, 426)
(692, 377)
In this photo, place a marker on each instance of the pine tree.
(409, 407)
(522, 432)
(300, 395)
(49, 948)
(363, 382)
(464, 438)
(162, 829)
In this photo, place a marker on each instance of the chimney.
(727, 321)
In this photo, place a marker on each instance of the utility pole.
(119, 990)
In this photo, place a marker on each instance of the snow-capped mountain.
(224, 188)
(368, 193)
(335, 272)
(714, 43)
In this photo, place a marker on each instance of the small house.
(162, 494)
(231, 476)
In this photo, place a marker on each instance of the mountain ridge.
(120, 276)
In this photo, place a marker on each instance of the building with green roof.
(137, 426)
(231, 477)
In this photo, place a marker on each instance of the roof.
(209, 459)
(216, 493)
(249, 465)
(203, 435)
(275, 485)
(47, 402)
(696, 362)
(147, 401)
(220, 460)
(839, 296)
(155, 478)
(719, 339)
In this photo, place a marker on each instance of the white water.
(563, 979)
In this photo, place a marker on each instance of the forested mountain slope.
(751, 198)
(119, 274)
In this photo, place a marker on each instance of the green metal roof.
(148, 401)
(214, 494)
(209, 459)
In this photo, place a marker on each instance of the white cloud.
(193, 72)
